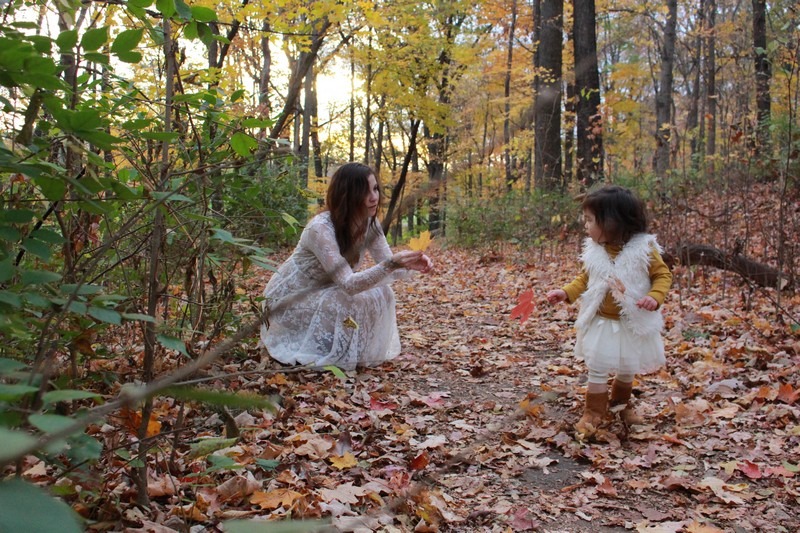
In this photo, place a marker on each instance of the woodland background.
(159, 158)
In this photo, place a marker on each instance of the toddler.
(622, 284)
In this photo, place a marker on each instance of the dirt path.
(500, 444)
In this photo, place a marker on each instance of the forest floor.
(470, 428)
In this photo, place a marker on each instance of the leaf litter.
(470, 429)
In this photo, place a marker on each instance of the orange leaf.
(420, 462)
(787, 394)
(274, 499)
(133, 420)
(421, 243)
(524, 308)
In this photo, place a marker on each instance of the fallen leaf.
(277, 498)
(348, 460)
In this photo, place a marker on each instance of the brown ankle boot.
(593, 413)
(621, 395)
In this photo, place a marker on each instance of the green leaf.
(129, 57)
(24, 507)
(9, 233)
(67, 40)
(39, 277)
(50, 423)
(170, 196)
(17, 216)
(139, 316)
(80, 290)
(127, 40)
(160, 135)
(336, 371)
(47, 235)
(105, 315)
(52, 188)
(10, 298)
(243, 143)
(10, 392)
(8, 366)
(94, 39)
(208, 446)
(237, 400)
(166, 7)
(183, 10)
(13, 443)
(268, 464)
(67, 395)
(7, 269)
(37, 248)
(203, 14)
(171, 343)
(256, 123)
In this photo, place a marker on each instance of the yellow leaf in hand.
(421, 243)
(347, 460)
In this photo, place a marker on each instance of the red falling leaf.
(787, 394)
(750, 469)
(524, 308)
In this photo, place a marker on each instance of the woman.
(319, 310)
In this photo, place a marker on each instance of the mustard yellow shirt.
(660, 278)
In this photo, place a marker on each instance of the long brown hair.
(347, 191)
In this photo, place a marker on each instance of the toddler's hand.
(556, 295)
(647, 303)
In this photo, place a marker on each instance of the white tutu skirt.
(608, 346)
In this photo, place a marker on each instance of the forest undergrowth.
(470, 428)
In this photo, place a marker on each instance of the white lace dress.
(322, 313)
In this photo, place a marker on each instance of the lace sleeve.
(379, 250)
(321, 239)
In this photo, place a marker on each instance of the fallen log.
(704, 255)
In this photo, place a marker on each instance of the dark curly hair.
(617, 212)
(348, 188)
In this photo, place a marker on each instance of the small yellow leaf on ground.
(341, 462)
(421, 243)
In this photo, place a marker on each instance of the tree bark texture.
(753, 271)
(664, 92)
(547, 138)
(589, 133)
(510, 176)
(711, 76)
(763, 76)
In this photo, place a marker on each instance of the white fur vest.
(627, 276)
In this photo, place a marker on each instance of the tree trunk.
(758, 273)
(397, 190)
(664, 93)
(692, 118)
(547, 138)
(352, 107)
(763, 76)
(510, 176)
(587, 87)
(298, 73)
(569, 135)
(368, 110)
(711, 78)
(264, 106)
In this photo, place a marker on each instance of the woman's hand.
(556, 295)
(412, 260)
